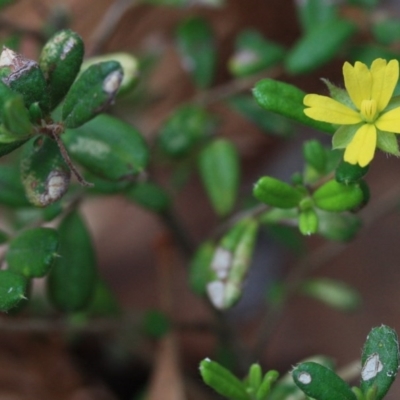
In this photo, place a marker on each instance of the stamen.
(368, 110)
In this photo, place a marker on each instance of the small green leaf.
(184, 129)
(267, 121)
(335, 196)
(344, 135)
(253, 53)
(285, 99)
(200, 272)
(321, 383)
(315, 154)
(387, 142)
(308, 222)
(103, 302)
(315, 12)
(338, 94)
(129, 63)
(72, 279)
(350, 173)
(16, 118)
(24, 77)
(255, 378)
(231, 267)
(276, 193)
(60, 61)
(12, 193)
(44, 173)
(222, 381)
(32, 253)
(310, 52)
(6, 148)
(387, 31)
(91, 93)
(12, 289)
(150, 196)
(219, 168)
(108, 147)
(265, 387)
(196, 45)
(341, 227)
(333, 293)
(380, 360)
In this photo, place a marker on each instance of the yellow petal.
(362, 148)
(323, 108)
(358, 82)
(389, 121)
(384, 80)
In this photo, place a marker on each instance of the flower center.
(368, 110)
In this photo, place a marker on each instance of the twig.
(108, 24)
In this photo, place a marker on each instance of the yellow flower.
(368, 119)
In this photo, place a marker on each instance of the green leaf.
(12, 193)
(315, 154)
(308, 222)
(103, 302)
(335, 196)
(200, 272)
(387, 142)
(184, 130)
(350, 173)
(16, 118)
(149, 196)
(231, 267)
(341, 227)
(344, 135)
(264, 390)
(314, 12)
(44, 173)
(222, 381)
(321, 383)
(24, 77)
(333, 293)
(380, 360)
(108, 148)
(12, 289)
(129, 63)
(219, 168)
(6, 148)
(287, 100)
(276, 193)
(253, 53)
(387, 31)
(196, 45)
(267, 121)
(32, 253)
(310, 52)
(254, 378)
(91, 93)
(60, 61)
(339, 94)
(73, 277)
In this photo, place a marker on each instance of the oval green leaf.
(32, 253)
(72, 279)
(276, 193)
(12, 289)
(219, 168)
(108, 147)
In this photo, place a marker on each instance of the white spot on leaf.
(304, 378)
(221, 262)
(112, 82)
(216, 294)
(372, 367)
